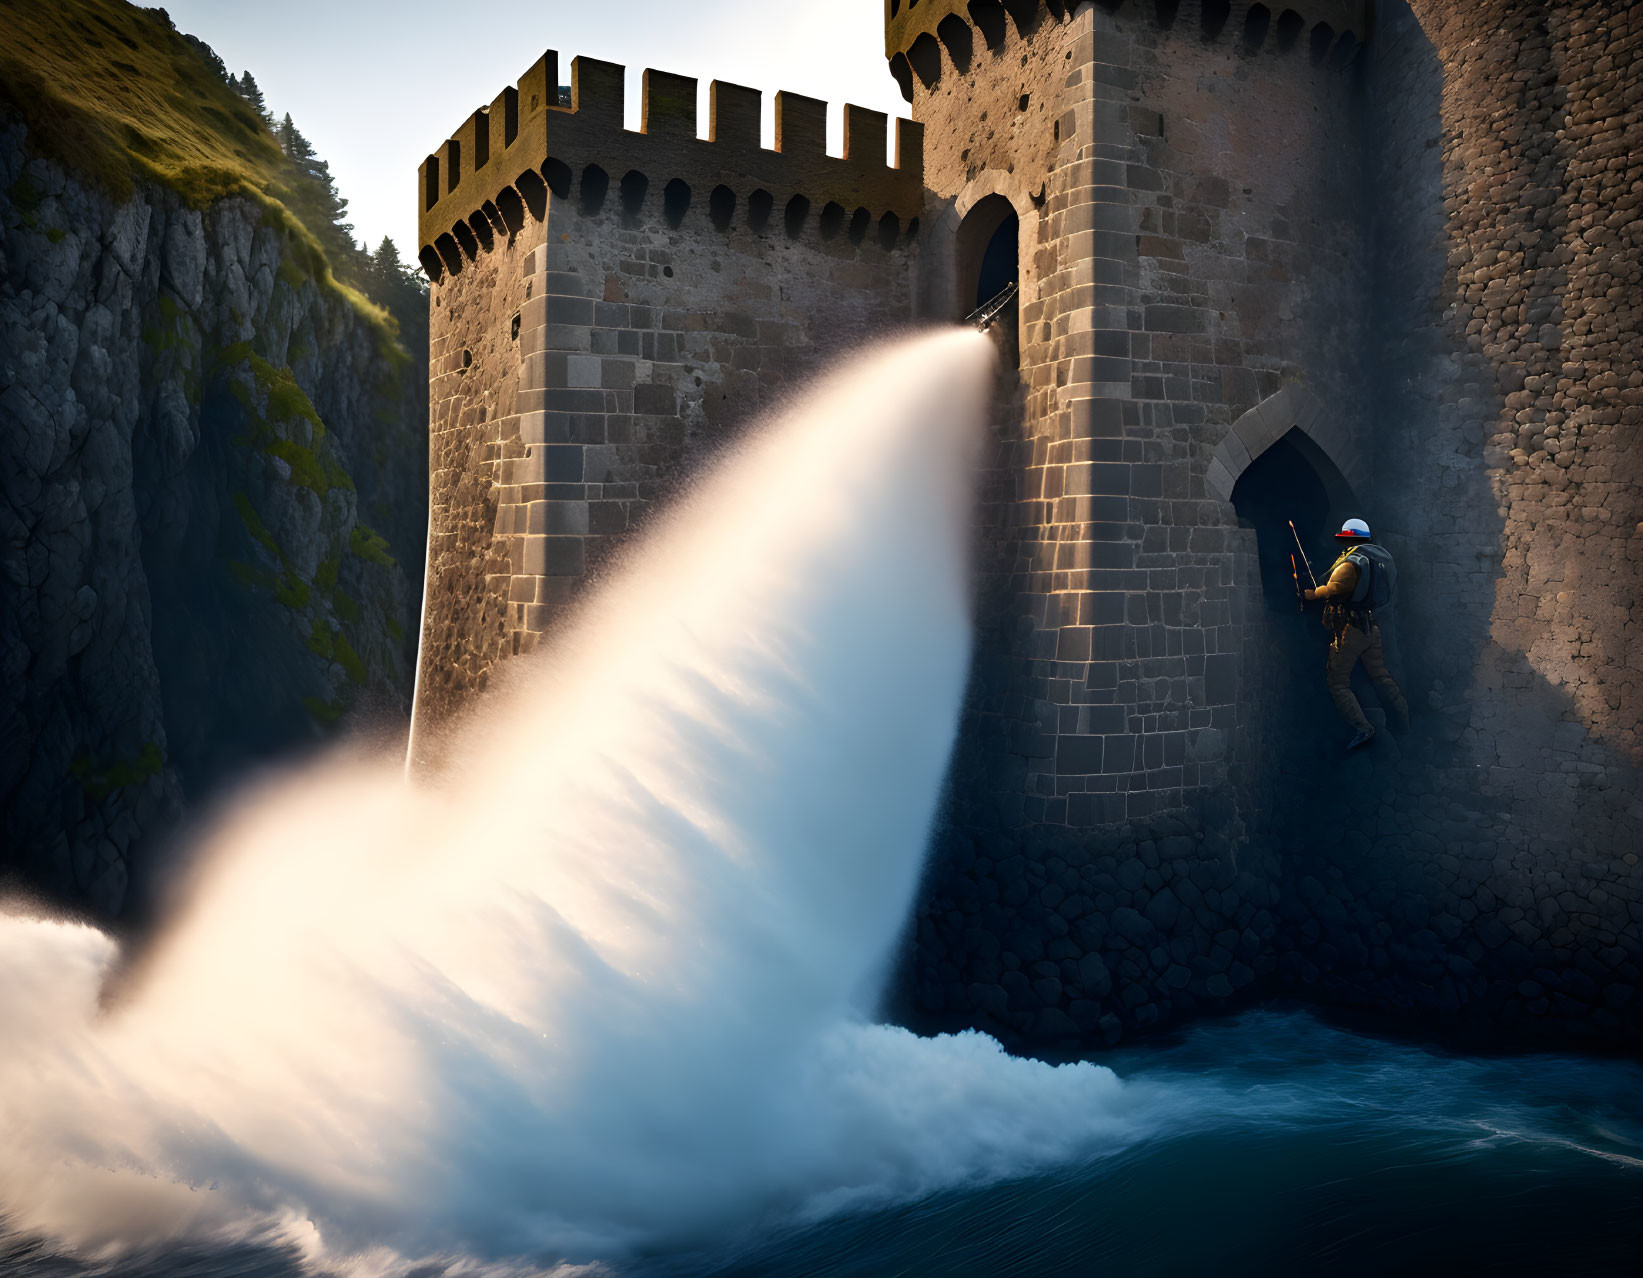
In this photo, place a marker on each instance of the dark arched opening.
(1000, 265)
(534, 192)
(558, 176)
(925, 58)
(759, 205)
(988, 263)
(512, 208)
(721, 207)
(798, 208)
(633, 186)
(595, 182)
(1323, 35)
(1024, 13)
(889, 228)
(1290, 26)
(956, 34)
(1256, 22)
(1289, 729)
(987, 252)
(449, 254)
(465, 237)
(1281, 485)
(902, 73)
(988, 15)
(675, 202)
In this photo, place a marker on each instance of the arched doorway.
(1282, 485)
(1289, 732)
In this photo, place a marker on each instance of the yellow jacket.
(1343, 580)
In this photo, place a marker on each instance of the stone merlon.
(525, 142)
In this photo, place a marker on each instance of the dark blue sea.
(1331, 1152)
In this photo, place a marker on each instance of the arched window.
(988, 262)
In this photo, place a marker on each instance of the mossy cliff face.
(212, 485)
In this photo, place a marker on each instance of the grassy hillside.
(116, 94)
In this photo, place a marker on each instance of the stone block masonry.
(1489, 871)
(1180, 275)
(1236, 243)
(1395, 258)
(605, 341)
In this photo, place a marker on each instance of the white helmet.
(1354, 530)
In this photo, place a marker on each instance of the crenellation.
(551, 143)
(668, 108)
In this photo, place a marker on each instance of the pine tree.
(206, 52)
(386, 268)
(247, 88)
(290, 140)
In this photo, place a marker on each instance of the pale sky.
(377, 86)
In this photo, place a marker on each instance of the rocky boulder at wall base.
(212, 470)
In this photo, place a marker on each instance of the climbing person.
(1362, 579)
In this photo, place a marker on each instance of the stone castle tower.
(1291, 262)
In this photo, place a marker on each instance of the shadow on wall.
(1480, 870)
(1289, 723)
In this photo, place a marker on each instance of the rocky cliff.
(212, 496)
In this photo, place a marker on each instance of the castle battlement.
(511, 153)
(917, 31)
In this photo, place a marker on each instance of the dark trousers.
(1349, 646)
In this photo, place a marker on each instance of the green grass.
(370, 546)
(348, 658)
(325, 576)
(113, 93)
(312, 463)
(100, 782)
(324, 713)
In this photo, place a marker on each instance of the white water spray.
(606, 982)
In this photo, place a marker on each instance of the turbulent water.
(599, 993)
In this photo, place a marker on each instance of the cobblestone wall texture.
(1412, 261)
(1435, 244)
(1488, 870)
(1196, 249)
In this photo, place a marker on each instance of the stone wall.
(586, 365)
(1486, 871)
(1263, 275)
(1189, 219)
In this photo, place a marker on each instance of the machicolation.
(526, 140)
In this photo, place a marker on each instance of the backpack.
(1377, 576)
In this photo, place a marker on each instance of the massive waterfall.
(607, 979)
